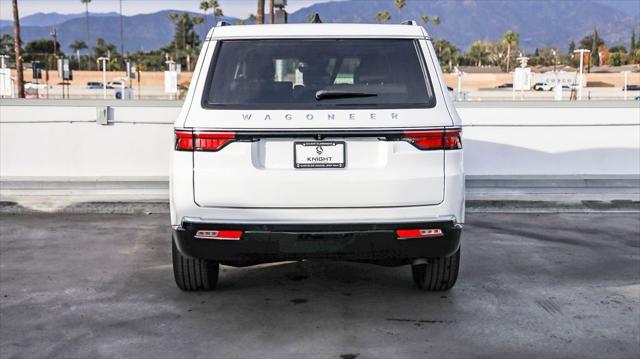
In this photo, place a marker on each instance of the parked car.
(28, 85)
(116, 84)
(504, 86)
(542, 87)
(97, 85)
(275, 160)
(633, 88)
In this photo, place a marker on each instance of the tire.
(439, 274)
(193, 274)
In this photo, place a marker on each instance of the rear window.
(289, 74)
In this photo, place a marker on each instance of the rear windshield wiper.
(329, 94)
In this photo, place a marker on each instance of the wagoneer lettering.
(317, 141)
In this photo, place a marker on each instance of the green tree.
(205, 5)
(186, 40)
(511, 40)
(7, 45)
(615, 59)
(434, 20)
(105, 49)
(618, 48)
(594, 49)
(478, 52)
(383, 16)
(86, 12)
(587, 42)
(633, 46)
(185, 37)
(40, 50)
(447, 54)
(77, 46)
(400, 4)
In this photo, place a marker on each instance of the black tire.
(193, 274)
(439, 274)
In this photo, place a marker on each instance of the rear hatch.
(317, 123)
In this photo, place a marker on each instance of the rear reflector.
(418, 233)
(225, 235)
(187, 140)
(435, 140)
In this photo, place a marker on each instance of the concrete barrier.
(61, 147)
(61, 139)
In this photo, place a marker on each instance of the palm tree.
(205, 5)
(77, 46)
(511, 39)
(18, 49)
(478, 52)
(260, 12)
(446, 52)
(383, 16)
(86, 7)
(434, 20)
(197, 20)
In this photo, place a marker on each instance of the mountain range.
(539, 22)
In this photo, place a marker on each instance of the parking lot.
(531, 285)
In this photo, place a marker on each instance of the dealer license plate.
(319, 154)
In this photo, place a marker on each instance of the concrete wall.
(62, 140)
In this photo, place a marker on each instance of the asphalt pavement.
(531, 285)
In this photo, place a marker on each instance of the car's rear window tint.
(318, 73)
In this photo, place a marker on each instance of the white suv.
(332, 141)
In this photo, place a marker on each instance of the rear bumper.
(352, 242)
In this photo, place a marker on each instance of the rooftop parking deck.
(531, 285)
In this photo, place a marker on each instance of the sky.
(235, 8)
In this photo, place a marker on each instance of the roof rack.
(222, 23)
(409, 22)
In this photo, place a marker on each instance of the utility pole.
(18, 49)
(260, 14)
(271, 12)
(121, 32)
(54, 35)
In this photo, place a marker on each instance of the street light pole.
(581, 84)
(104, 75)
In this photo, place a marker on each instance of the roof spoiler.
(409, 22)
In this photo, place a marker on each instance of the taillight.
(418, 233)
(184, 140)
(435, 140)
(223, 235)
(187, 140)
